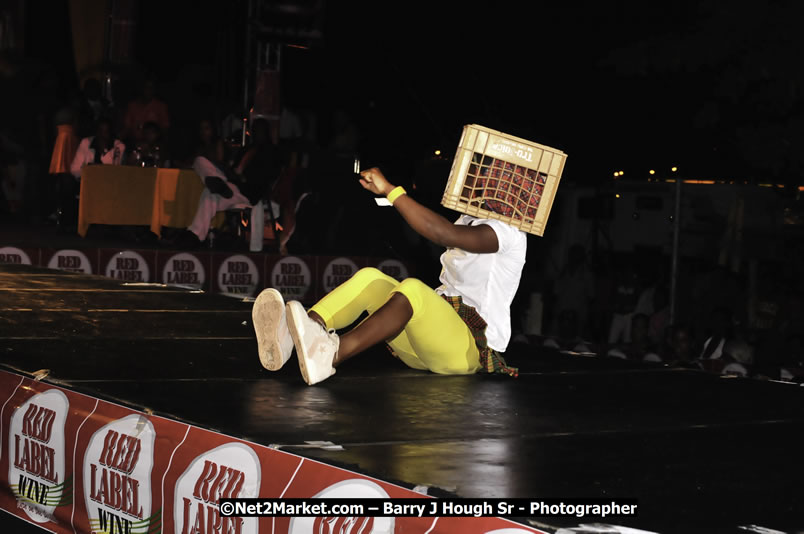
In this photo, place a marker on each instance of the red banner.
(70, 462)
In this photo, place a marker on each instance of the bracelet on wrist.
(395, 193)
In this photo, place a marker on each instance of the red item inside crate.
(504, 188)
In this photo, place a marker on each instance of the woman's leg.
(383, 325)
(421, 327)
(366, 291)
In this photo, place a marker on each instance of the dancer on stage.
(458, 328)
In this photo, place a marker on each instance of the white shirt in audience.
(85, 155)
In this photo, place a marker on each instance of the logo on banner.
(184, 269)
(37, 472)
(394, 269)
(356, 488)
(14, 255)
(291, 277)
(129, 267)
(226, 472)
(337, 272)
(117, 477)
(70, 260)
(238, 275)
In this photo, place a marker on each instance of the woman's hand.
(375, 181)
(429, 224)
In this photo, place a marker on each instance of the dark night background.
(712, 87)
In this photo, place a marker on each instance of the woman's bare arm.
(429, 224)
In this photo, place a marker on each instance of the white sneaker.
(274, 343)
(315, 347)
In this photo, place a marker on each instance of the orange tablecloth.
(138, 196)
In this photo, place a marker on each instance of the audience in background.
(245, 186)
(574, 288)
(750, 328)
(749, 321)
(625, 300)
(640, 344)
(101, 149)
(678, 349)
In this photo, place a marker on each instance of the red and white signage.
(14, 255)
(117, 476)
(226, 472)
(291, 277)
(184, 269)
(128, 266)
(238, 275)
(136, 473)
(70, 260)
(355, 488)
(37, 473)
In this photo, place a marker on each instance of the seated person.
(244, 186)
(625, 301)
(679, 350)
(640, 345)
(151, 151)
(100, 149)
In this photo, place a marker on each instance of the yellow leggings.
(435, 338)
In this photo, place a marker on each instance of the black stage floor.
(700, 452)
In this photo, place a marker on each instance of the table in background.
(123, 195)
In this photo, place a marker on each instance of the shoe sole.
(295, 327)
(266, 315)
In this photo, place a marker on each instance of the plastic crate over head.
(499, 176)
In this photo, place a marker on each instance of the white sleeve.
(506, 235)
